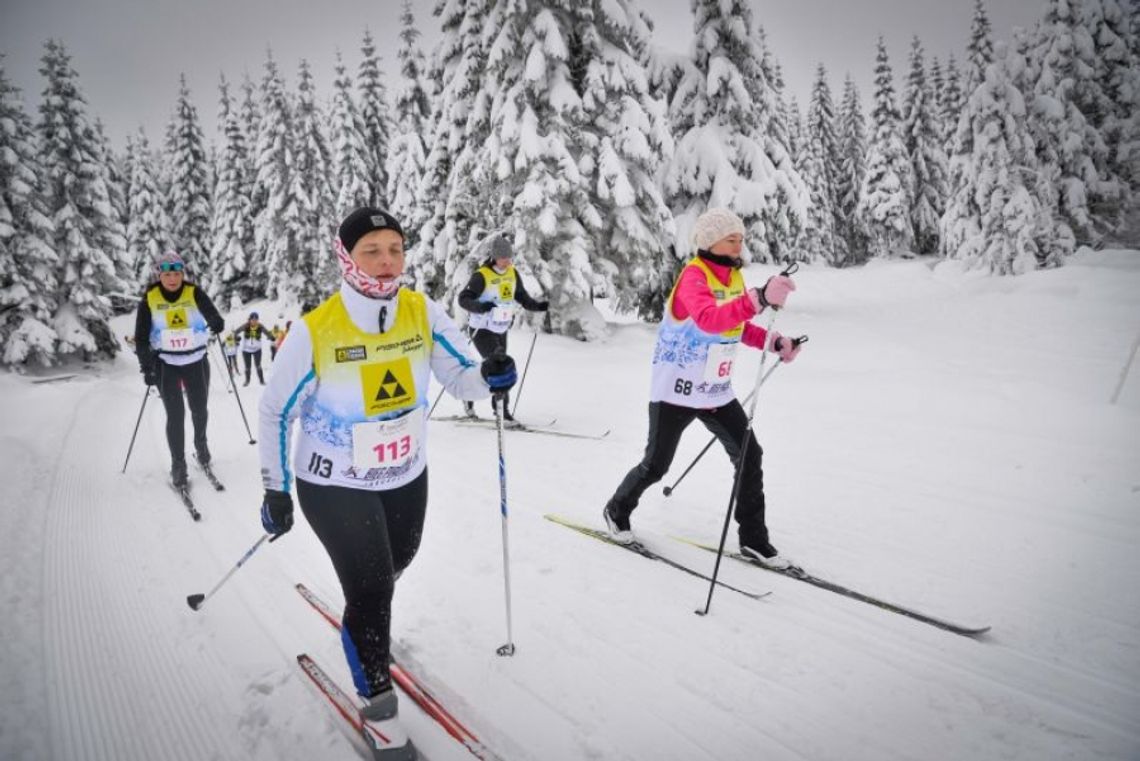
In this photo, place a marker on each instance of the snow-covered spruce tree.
(83, 222)
(188, 199)
(376, 120)
(113, 234)
(821, 172)
(623, 140)
(724, 154)
(443, 215)
(232, 227)
(275, 223)
(1110, 100)
(1066, 143)
(783, 220)
(346, 137)
(408, 153)
(852, 139)
(1042, 173)
(118, 183)
(313, 270)
(794, 121)
(531, 155)
(927, 159)
(979, 50)
(885, 199)
(937, 83)
(28, 264)
(950, 108)
(992, 217)
(959, 144)
(147, 228)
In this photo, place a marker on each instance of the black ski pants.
(488, 342)
(195, 379)
(729, 423)
(371, 537)
(253, 357)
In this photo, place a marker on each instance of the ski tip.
(195, 601)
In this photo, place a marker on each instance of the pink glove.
(784, 346)
(775, 291)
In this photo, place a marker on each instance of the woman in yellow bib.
(354, 371)
(491, 296)
(172, 327)
(706, 318)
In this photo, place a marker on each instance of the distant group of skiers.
(356, 369)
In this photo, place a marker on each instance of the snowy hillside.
(964, 445)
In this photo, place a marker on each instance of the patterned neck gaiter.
(364, 284)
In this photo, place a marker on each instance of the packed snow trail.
(947, 441)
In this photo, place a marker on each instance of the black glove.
(499, 372)
(150, 374)
(482, 307)
(276, 512)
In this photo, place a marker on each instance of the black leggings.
(488, 342)
(371, 537)
(195, 378)
(728, 423)
(254, 357)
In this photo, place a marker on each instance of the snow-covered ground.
(966, 445)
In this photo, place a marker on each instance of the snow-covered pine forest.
(562, 124)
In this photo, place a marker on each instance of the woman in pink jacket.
(706, 319)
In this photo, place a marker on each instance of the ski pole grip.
(791, 269)
(799, 340)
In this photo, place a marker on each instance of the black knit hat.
(363, 221)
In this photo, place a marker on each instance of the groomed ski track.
(104, 660)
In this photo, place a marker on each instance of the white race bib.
(387, 443)
(718, 367)
(176, 340)
(502, 314)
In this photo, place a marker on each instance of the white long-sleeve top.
(352, 376)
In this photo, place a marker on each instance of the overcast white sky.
(130, 53)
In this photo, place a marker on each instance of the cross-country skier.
(250, 336)
(229, 348)
(356, 371)
(171, 337)
(490, 296)
(706, 318)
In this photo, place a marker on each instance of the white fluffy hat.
(713, 225)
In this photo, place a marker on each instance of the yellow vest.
(364, 376)
(176, 328)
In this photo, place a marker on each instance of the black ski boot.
(178, 475)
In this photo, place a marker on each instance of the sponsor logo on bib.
(351, 353)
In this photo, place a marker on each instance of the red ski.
(414, 689)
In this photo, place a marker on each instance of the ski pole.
(237, 396)
(526, 366)
(146, 395)
(500, 404)
(791, 268)
(433, 404)
(196, 601)
(668, 490)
